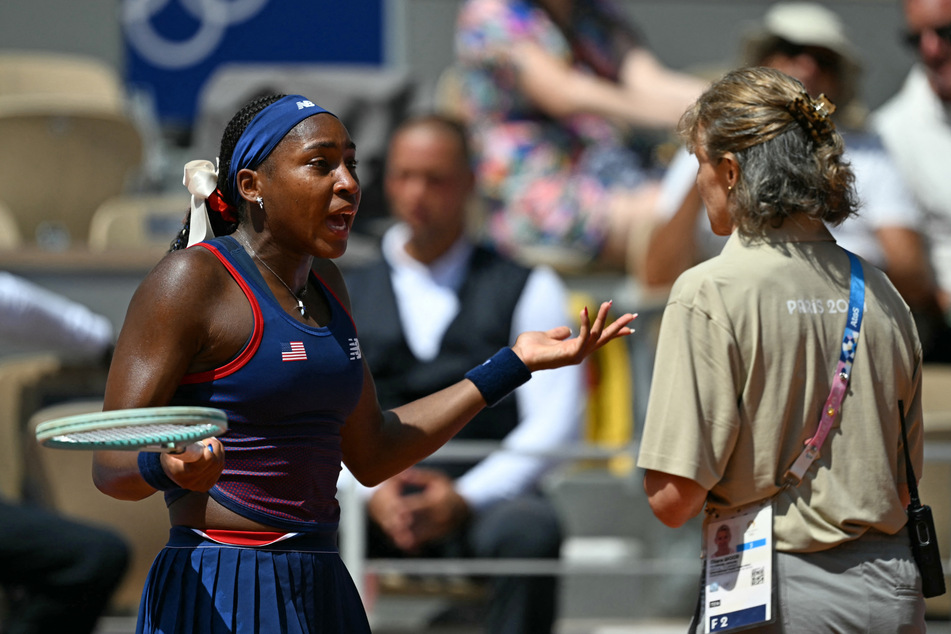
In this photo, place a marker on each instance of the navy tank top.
(287, 393)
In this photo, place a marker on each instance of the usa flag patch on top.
(293, 351)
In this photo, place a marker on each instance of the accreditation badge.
(738, 578)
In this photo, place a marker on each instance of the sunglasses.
(825, 59)
(914, 39)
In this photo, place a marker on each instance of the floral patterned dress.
(545, 181)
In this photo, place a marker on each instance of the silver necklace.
(299, 296)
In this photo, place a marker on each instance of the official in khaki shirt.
(747, 353)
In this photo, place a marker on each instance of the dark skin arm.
(176, 323)
(379, 444)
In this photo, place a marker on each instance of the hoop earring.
(260, 202)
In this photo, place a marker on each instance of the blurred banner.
(172, 46)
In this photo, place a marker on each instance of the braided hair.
(229, 139)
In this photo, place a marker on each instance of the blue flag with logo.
(173, 46)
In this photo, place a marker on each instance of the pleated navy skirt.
(296, 586)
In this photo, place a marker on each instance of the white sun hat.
(806, 24)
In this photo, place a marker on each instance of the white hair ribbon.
(201, 179)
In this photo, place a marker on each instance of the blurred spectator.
(57, 575)
(38, 316)
(552, 91)
(456, 303)
(915, 126)
(808, 41)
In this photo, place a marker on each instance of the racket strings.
(159, 434)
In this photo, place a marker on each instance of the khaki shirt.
(748, 347)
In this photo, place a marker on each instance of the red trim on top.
(243, 538)
(336, 297)
(256, 335)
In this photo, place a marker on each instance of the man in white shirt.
(434, 305)
(915, 125)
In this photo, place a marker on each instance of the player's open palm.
(554, 349)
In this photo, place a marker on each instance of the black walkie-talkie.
(924, 541)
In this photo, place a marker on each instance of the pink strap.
(829, 413)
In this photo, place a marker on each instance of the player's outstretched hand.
(553, 349)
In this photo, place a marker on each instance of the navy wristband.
(499, 376)
(150, 466)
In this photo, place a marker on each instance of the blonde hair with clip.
(788, 151)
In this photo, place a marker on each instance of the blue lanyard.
(853, 322)
(833, 404)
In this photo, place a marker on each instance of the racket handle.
(190, 453)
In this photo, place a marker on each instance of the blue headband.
(264, 133)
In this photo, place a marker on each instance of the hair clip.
(814, 115)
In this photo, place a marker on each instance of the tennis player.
(255, 321)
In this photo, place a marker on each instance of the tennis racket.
(174, 429)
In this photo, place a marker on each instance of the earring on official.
(260, 202)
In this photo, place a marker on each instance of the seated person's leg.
(524, 528)
(60, 573)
